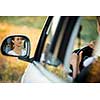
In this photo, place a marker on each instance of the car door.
(53, 66)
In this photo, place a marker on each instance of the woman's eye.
(18, 39)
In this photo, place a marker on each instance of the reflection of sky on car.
(54, 24)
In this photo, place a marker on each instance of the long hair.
(12, 44)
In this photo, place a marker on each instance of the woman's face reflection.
(17, 41)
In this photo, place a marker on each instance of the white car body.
(35, 72)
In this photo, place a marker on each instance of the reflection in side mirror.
(17, 45)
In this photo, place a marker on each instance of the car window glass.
(48, 60)
(85, 41)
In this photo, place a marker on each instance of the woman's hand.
(75, 61)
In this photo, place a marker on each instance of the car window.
(87, 33)
(54, 50)
(85, 43)
(48, 60)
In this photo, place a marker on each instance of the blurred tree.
(30, 21)
(89, 30)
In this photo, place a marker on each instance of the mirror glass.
(15, 46)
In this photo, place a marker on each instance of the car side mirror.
(16, 46)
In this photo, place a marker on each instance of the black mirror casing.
(23, 41)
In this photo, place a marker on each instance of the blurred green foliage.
(29, 21)
(89, 29)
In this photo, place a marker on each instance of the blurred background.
(88, 31)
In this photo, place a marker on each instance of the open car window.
(56, 44)
(52, 59)
(48, 59)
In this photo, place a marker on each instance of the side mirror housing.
(16, 46)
